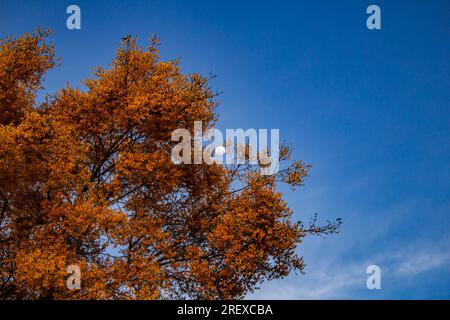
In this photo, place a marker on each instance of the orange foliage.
(86, 178)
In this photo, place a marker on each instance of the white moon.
(220, 150)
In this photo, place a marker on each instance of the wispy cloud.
(422, 261)
(347, 279)
(328, 282)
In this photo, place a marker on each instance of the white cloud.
(342, 280)
(332, 283)
(422, 261)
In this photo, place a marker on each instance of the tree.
(86, 178)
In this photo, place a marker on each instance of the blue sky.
(370, 110)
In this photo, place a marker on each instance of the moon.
(220, 150)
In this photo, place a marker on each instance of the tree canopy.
(86, 178)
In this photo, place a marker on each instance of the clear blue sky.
(370, 110)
